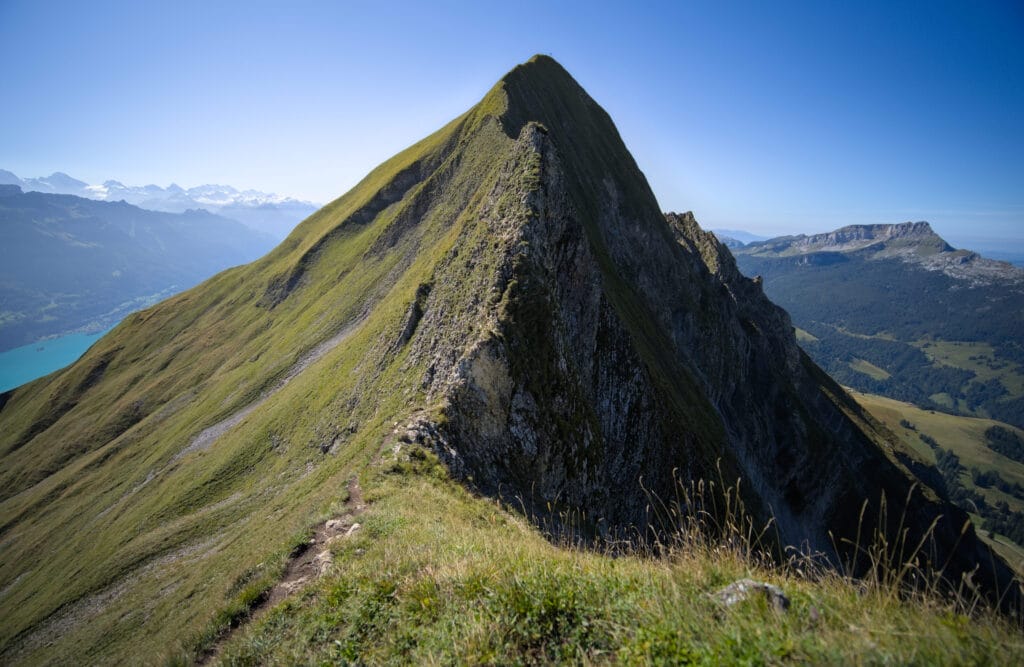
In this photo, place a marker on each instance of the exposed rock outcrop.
(745, 589)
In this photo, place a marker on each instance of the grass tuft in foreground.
(437, 575)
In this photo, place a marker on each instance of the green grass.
(965, 436)
(869, 369)
(92, 476)
(129, 531)
(979, 358)
(438, 576)
(881, 335)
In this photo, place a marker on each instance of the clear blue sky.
(773, 117)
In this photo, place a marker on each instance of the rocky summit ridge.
(506, 293)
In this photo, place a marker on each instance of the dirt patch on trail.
(313, 559)
(307, 563)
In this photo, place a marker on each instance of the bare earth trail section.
(210, 435)
(307, 563)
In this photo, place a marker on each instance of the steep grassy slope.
(504, 292)
(92, 475)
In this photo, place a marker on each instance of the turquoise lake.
(26, 363)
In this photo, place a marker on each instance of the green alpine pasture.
(967, 438)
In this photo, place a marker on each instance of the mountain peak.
(9, 178)
(903, 230)
(62, 180)
(921, 226)
(540, 68)
(912, 242)
(903, 237)
(541, 90)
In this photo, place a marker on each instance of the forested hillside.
(903, 315)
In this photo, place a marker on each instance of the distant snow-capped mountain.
(269, 213)
(56, 183)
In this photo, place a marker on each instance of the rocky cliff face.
(859, 236)
(603, 344)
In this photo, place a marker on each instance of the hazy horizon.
(773, 120)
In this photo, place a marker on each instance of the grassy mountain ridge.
(156, 399)
(499, 289)
(435, 575)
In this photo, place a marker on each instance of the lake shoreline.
(21, 365)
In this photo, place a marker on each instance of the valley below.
(895, 310)
(986, 478)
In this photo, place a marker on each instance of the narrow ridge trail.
(308, 562)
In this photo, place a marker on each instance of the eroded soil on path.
(307, 563)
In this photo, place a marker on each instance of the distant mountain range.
(912, 242)
(1011, 251)
(265, 212)
(68, 263)
(896, 310)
